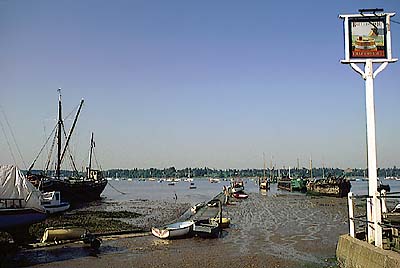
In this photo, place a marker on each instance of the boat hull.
(76, 191)
(329, 187)
(13, 218)
(285, 185)
(59, 234)
(51, 209)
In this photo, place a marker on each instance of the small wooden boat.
(240, 195)
(51, 201)
(174, 230)
(225, 222)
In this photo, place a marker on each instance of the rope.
(13, 136)
(115, 188)
(395, 21)
(8, 143)
(42, 148)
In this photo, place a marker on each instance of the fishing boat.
(175, 230)
(76, 188)
(240, 195)
(331, 186)
(19, 202)
(52, 203)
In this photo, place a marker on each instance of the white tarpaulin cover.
(13, 184)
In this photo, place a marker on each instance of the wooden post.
(351, 213)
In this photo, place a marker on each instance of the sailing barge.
(75, 189)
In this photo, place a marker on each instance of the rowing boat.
(174, 230)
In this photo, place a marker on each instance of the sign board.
(367, 37)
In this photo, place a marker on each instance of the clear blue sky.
(194, 83)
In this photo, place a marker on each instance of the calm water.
(205, 191)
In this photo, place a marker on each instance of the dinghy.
(174, 230)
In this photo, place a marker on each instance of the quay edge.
(354, 253)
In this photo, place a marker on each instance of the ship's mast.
(59, 135)
(90, 155)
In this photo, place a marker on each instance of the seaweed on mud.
(94, 221)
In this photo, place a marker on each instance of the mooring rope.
(115, 188)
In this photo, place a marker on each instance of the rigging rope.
(8, 143)
(50, 154)
(13, 136)
(69, 152)
(33, 163)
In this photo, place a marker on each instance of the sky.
(193, 83)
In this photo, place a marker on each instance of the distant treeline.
(226, 173)
(172, 172)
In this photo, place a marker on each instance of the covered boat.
(175, 230)
(19, 202)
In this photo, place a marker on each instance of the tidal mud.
(272, 230)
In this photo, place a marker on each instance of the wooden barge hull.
(328, 189)
(76, 191)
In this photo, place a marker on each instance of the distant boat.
(19, 202)
(263, 183)
(237, 186)
(285, 183)
(240, 195)
(74, 189)
(174, 230)
(52, 203)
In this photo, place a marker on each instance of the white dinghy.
(174, 230)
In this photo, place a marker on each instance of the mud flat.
(273, 230)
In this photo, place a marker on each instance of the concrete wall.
(354, 253)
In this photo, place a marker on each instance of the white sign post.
(368, 41)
